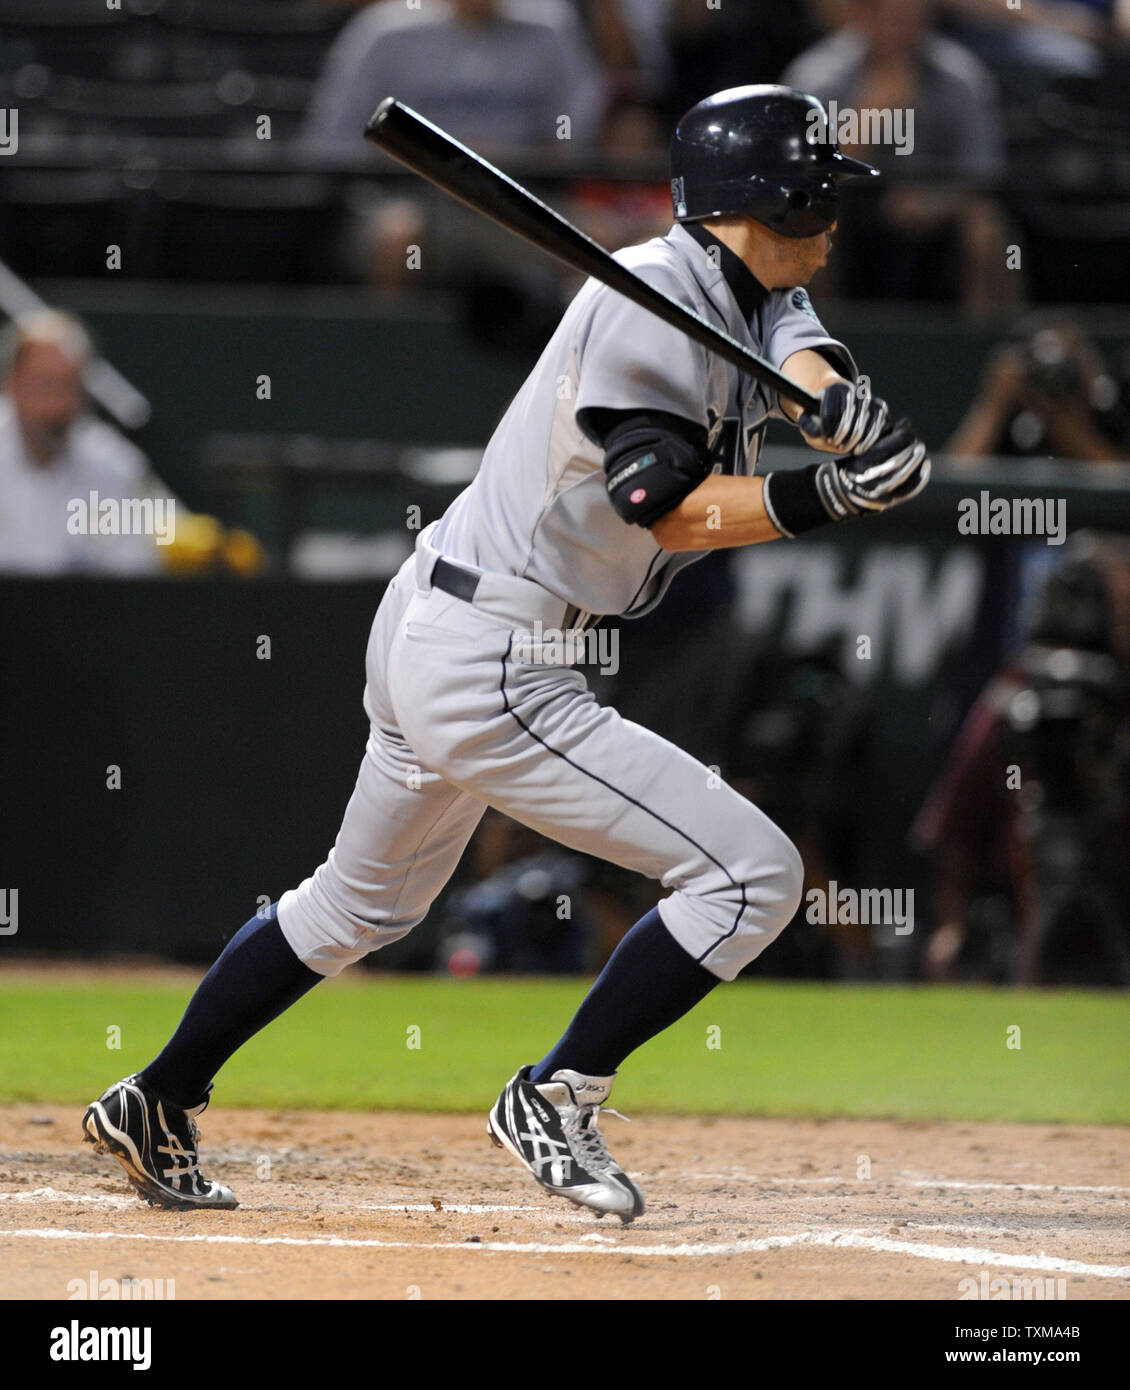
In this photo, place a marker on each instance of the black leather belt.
(455, 580)
(463, 583)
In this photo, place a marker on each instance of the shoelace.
(586, 1135)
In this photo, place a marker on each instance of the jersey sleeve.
(629, 360)
(789, 325)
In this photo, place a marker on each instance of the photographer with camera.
(1046, 391)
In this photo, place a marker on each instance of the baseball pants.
(468, 710)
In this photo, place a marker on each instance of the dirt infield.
(407, 1205)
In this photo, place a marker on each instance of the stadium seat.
(188, 109)
(75, 36)
(281, 37)
(1074, 178)
(59, 222)
(1091, 109)
(248, 227)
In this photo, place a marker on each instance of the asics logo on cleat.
(183, 1161)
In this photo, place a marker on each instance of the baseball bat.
(431, 152)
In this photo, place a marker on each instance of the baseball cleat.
(155, 1142)
(552, 1128)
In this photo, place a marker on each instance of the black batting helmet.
(763, 152)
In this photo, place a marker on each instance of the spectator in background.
(626, 211)
(1050, 36)
(915, 242)
(731, 45)
(632, 41)
(54, 454)
(1046, 392)
(495, 81)
(499, 75)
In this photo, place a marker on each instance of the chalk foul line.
(845, 1239)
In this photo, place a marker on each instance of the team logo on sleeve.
(800, 300)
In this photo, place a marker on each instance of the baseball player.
(627, 454)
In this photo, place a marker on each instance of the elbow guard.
(650, 468)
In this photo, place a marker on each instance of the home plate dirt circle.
(406, 1205)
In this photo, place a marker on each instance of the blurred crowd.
(539, 80)
(1011, 126)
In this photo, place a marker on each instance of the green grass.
(786, 1049)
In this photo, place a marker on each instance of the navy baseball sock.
(648, 983)
(255, 979)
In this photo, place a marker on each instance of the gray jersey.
(538, 507)
(464, 714)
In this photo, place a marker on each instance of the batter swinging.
(628, 453)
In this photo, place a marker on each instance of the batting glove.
(892, 471)
(850, 420)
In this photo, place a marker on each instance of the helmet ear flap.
(798, 199)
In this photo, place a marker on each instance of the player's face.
(809, 254)
(46, 391)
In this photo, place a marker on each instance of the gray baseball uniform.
(471, 703)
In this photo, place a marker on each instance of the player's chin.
(809, 269)
(819, 262)
(815, 257)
